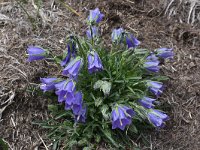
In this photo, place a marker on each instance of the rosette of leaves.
(105, 93)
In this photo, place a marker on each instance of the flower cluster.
(126, 77)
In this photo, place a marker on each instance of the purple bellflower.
(48, 84)
(117, 35)
(94, 62)
(152, 57)
(95, 16)
(121, 116)
(65, 90)
(71, 50)
(73, 67)
(36, 53)
(155, 87)
(165, 53)
(74, 102)
(92, 34)
(147, 102)
(77, 103)
(157, 118)
(81, 115)
(67, 57)
(152, 66)
(131, 41)
(69, 99)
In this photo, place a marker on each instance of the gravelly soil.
(150, 21)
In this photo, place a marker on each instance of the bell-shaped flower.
(73, 67)
(64, 88)
(48, 84)
(74, 101)
(152, 57)
(165, 53)
(81, 115)
(131, 41)
(71, 50)
(117, 35)
(77, 103)
(121, 117)
(69, 100)
(147, 102)
(94, 62)
(152, 66)
(157, 118)
(67, 58)
(95, 16)
(155, 87)
(36, 53)
(92, 33)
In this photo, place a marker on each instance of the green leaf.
(83, 142)
(160, 78)
(3, 145)
(98, 102)
(133, 129)
(57, 59)
(72, 143)
(141, 51)
(134, 78)
(53, 108)
(104, 86)
(55, 145)
(104, 111)
(97, 138)
(88, 148)
(109, 137)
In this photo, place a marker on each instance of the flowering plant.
(103, 92)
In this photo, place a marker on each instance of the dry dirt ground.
(156, 23)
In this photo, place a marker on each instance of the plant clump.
(103, 93)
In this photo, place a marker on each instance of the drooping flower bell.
(95, 16)
(152, 57)
(165, 53)
(155, 87)
(131, 41)
(157, 118)
(92, 33)
(117, 35)
(65, 90)
(68, 98)
(121, 117)
(74, 101)
(94, 62)
(81, 115)
(71, 52)
(73, 67)
(36, 53)
(147, 102)
(48, 84)
(152, 66)
(77, 103)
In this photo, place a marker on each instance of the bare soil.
(156, 23)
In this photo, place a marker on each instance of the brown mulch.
(156, 23)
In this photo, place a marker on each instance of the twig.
(193, 3)
(130, 1)
(43, 142)
(69, 8)
(168, 6)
